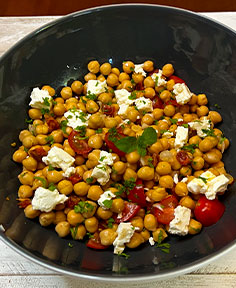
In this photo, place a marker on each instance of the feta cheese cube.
(182, 93)
(138, 68)
(181, 136)
(197, 186)
(167, 134)
(106, 158)
(158, 78)
(96, 87)
(179, 225)
(216, 185)
(123, 109)
(58, 158)
(46, 200)
(122, 97)
(125, 232)
(200, 125)
(69, 171)
(144, 104)
(40, 99)
(76, 118)
(102, 173)
(107, 195)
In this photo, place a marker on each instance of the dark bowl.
(203, 53)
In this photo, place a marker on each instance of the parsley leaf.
(127, 144)
(43, 181)
(190, 148)
(50, 139)
(173, 121)
(46, 101)
(73, 231)
(209, 132)
(28, 121)
(124, 255)
(91, 96)
(107, 203)
(165, 247)
(217, 106)
(83, 207)
(89, 180)
(185, 125)
(222, 139)
(132, 96)
(203, 179)
(64, 126)
(52, 187)
(50, 167)
(70, 245)
(110, 222)
(99, 131)
(44, 111)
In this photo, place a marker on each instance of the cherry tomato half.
(111, 145)
(52, 124)
(208, 212)
(95, 243)
(75, 178)
(157, 103)
(176, 79)
(78, 145)
(108, 109)
(183, 158)
(37, 153)
(165, 215)
(129, 211)
(170, 201)
(72, 201)
(136, 195)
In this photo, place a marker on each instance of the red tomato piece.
(208, 212)
(78, 145)
(157, 103)
(183, 158)
(75, 178)
(129, 211)
(72, 201)
(139, 86)
(165, 215)
(172, 102)
(176, 79)
(111, 145)
(52, 124)
(170, 201)
(37, 153)
(95, 243)
(136, 195)
(108, 109)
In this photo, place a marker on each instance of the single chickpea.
(123, 76)
(66, 92)
(30, 212)
(197, 163)
(194, 227)
(30, 163)
(128, 67)
(46, 218)
(129, 173)
(215, 117)
(193, 100)
(147, 119)
(19, 156)
(81, 188)
(26, 178)
(25, 191)
(132, 157)
(145, 234)
(135, 240)
(158, 113)
(93, 66)
(57, 136)
(59, 109)
(202, 99)
(35, 113)
(63, 229)
(92, 106)
(91, 224)
(163, 168)
(168, 70)
(104, 214)
(105, 68)
(29, 141)
(110, 122)
(60, 216)
(95, 141)
(94, 192)
(50, 90)
(54, 176)
(137, 78)
(89, 76)
(137, 222)
(165, 96)
(166, 181)
(79, 232)
(148, 82)
(107, 236)
(77, 87)
(65, 187)
(148, 66)
(181, 189)
(105, 98)
(150, 222)
(96, 121)
(119, 167)
(74, 218)
(156, 148)
(213, 156)
(146, 173)
(207, 144)
(170, 85)
(41, 129)
(157, 233)
(188, 202)
(115, 71)
(195, 140)
(118, 205)
(202, 111)
(158, 194)
(185, 171)
(149, 92)
(127, 84)
(112, 80)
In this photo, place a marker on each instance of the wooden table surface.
(16, 271)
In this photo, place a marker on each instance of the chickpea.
(110, 122)
(158, 194)
(30, 212)
(107, 236)
(74, 218)
(135, 240)
(202, 111)
(149, 92)
(92, 106)
(128, 66)
(127, 84)
(19, 155)
(123, 76)
(89, 76)
(165, 96)
(41, 129)
(54, 176)
(132, 157)
(81, 188)
(181, 189)
(148, 82)
(156, 147)
(170, 84)
(129, 173)
(185, 171)
(79, 232)
(213, 156)
(105, 68)
(94, 192)
(77, 87)
(137, 77)
(119, 167)
(157, 113)
(202, 99)
(197, 163)
(159, 233)
(25, 191)
(194, 227)
(87, 174)
(59, 109)
(168, 70)
(112, 80)
(90, 209)
(148, 66)
(96, 121)
(118, 205)
(195, 140)
(188, 202)
(215, 117)
(163, 168)
(207, 144)
(35, 113)
(95, 141)
(60, 216)
(30, 163)
(57, 136)
(137, 222)
(162, 125)
(23, 134)
(147, 119)
(26, 178)
(66, 92)
(104, 214)
(29, 141)
(150, 222)
(105, 98)
(93, 66)
(65, 187)
(63, 229)
(50, 90)
(115, 71)
(222, 145)
(46, 218)
(166, 181)
(91, 224)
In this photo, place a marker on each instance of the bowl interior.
(203, 54)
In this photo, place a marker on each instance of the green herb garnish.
(107, 203)
(133, 95)
(209, 132)
(110, 222)
(173, 121)
(70, 245)
(74, 231)
(203, 179)
(150, 162)
(46, 101)
(52, 187)
(217, 106)
(44, 111)
(43, 181)
(185, 125)
(124, 255)
(91, 96)
(28, 121)
(50, 167)
(165, 247)
(50, 139)
(83, 207)
(64, 126)
(190, 148)
(89, 180)
(98, 131)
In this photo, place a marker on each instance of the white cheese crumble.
(123, 109)
(179, 225)
(151, 241)
(58, 158)
(200, 125)
(144, 104)
(176, 178)
(69, 171)
(76, 118)
(158, 79)
(181, 136)
(96, 87)
(208, 184)
(167, 134)
(182, 93)
(125, 232)
(107, 195)
(102, 173)
(106, 158)
(46, 200)
(40, 99)
(138, 68)
(122, 97)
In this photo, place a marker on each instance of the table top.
(16, 271)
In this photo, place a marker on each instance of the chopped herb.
(107, 203)
(54, 102)
(64, 126)
(156, 122)
(96, 84)
(133, 95)
(124, 255)
(156, 81)
(217, 106)
(50, 167)
(81, 130)
(82, 117)
(43, 181)
(121, 190)
(52, 187)
(114, 170)
(190, 147)
(50, 139)
(74, 231)
(129, 184)
(98, 131)
(28, 121)
(110, 222)
(89, 180)
(102, 158)
(132, 81)
(131, 68)
(163, 131)
(144, 112)
(26, 149)
(70, 245)
(195, 229)
(91, 96)
(165, 247)
(203, 179)
(209, 132)
(46, 101)
(185, 125)
(173, 121)
(222, 139)
(83, 207)
(150, 162)
(194, 163)
(44, 111)
(89, 235)
(162, 118)
(113, 134)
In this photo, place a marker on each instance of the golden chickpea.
(101, 78)
(96, 121)
(148, 66)
(93, 66)
(185, 171)
(94, 192)
(87, 174)
(149, 92)
(128, 66)
(91, 224)
(159, 234)
(137, 222)
(215, 117)
(135, 240)
(165, 96)
(207, 144)
(35, 113)
(63, 229)
(23, 134)
(129, 173)
(105, 68)
(54, 176)
(170, 84)
(41, 139)
(146, 173)
(147, 119)
(46, 218)
(78, 233)
(89, 76)
(65, 187)
(30, 212)
(132, 157)
(26, 178)
(119, 167)
(156, 147)
(166, 181)
(150, 222)
(60, 216)
(25, 191)
(202, 111)
(50, 90)
(158, 194)
(59, 109)
(197, 163)
(77, 87)
(104, 214)
(163, 168)
(66, 92)
(188, 202)
(105, 98)
(137, 77)
(168, 70)
(110, 122)
(19, 155)
(30, 163)
(202, 99)
(115, 71)
(194, 227)
(112, 80)
(158, 113)
(195, 140)
(29, 141)
(213, 156)
(222, 145)
(162, 125)
(92, 106)
(118, 205)
(184, 109)
(74, 218)
(181, 189)
(81, 188)
(41, 129)
(193, 108)
(107, 236)
(90, 208)
(57, 136)
(127, 84)
(95, 141)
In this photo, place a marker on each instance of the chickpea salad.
(122, 158)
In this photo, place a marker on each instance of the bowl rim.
(113, 278)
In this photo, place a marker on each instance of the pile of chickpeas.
(157, 179)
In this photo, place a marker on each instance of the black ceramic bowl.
(203, 53)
